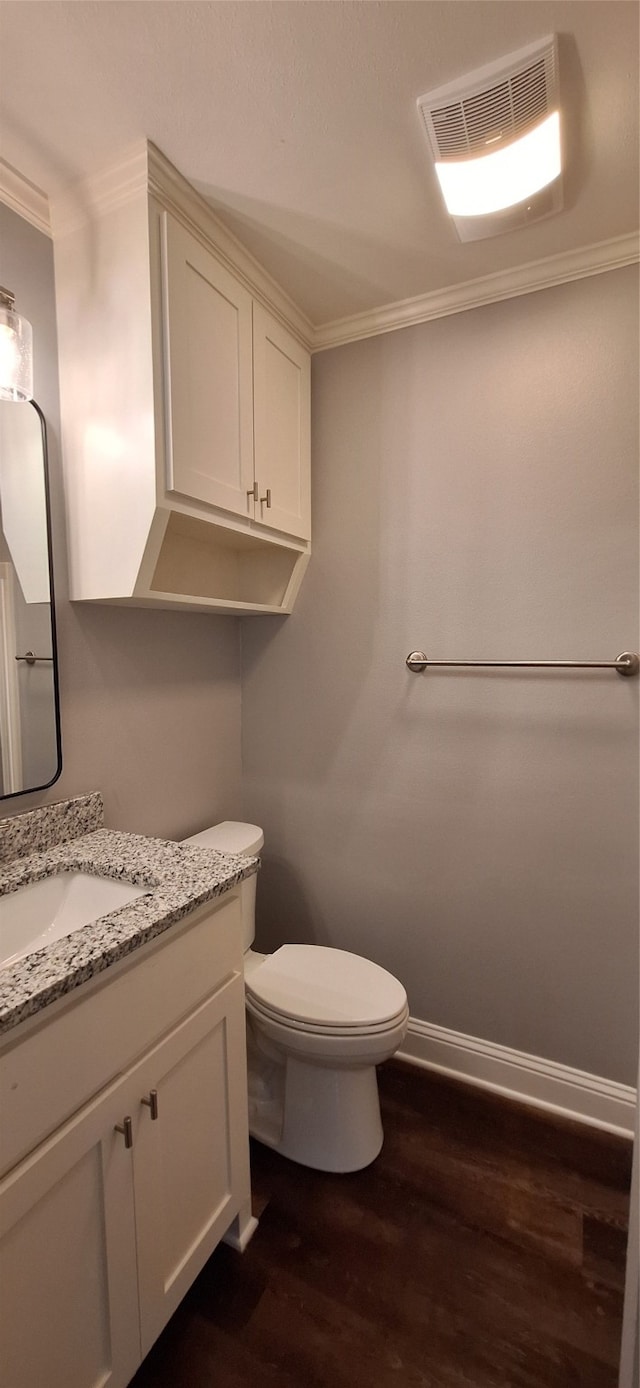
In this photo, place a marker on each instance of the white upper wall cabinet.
(237, 388)
(185, 396)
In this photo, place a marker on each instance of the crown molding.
(179, 197)
(490, 289)
(143, 170)
(100, 193)
(24, 198)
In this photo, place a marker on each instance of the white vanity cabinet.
(105, 1224)
(185, 402)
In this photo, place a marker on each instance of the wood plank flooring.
(483, 1249)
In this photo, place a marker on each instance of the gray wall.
(475, 494)
(150, 700)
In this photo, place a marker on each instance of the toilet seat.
(271, 1014)
(316, 989)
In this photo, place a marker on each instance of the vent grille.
(484, 119)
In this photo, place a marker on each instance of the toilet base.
(321, 1116)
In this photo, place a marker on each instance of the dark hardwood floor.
(483, 1249)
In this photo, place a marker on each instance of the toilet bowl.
(319, 1021)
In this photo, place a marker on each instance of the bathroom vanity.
(123, 1135)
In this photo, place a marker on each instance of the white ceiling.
(297, 120)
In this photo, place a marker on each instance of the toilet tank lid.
(231, 836)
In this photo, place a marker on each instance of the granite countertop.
(179, 877)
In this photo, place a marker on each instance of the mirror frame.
(29, 790)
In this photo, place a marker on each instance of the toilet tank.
(232, 836)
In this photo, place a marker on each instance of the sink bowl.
(42, 912)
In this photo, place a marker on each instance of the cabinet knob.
(125, 1127)
(253, 491)
(151, 1100)
(267, 497)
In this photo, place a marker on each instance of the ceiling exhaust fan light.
(477, 187)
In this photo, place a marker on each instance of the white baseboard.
(527, 1078)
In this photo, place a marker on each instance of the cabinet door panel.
(282, 408)
(208, 375)
(191, 1163)
(68, 1291)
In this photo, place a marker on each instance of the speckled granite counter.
(179, 877)
(36, 830)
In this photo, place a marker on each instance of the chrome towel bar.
(626, 664)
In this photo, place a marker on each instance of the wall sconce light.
(16, 351)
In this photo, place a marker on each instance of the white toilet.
(318, 1022)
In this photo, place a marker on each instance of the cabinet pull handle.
(152, 1102)
(267, 497)
(125, 1128)
(253, 491)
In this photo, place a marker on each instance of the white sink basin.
(36, 915)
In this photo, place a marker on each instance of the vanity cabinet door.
(191, 1161)
(68, 1278)
(206, 320)
(282, 405)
